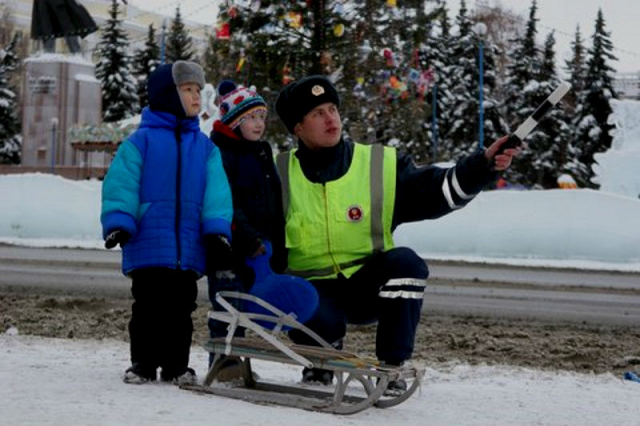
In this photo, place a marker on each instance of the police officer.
(342, 201)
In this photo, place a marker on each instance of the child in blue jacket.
(167, 202)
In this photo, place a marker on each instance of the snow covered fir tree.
(179, 45)
(465, 87)
(118, 86)
(10, 138)
(407, 77)
(144, 63)
(408, 73)
(592, 127)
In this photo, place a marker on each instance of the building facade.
(627, 85)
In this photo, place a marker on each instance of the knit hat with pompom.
(237, 103)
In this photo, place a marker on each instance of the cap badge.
(317, 90)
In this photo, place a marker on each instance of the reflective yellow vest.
(333, 228)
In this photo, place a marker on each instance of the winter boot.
(137, 375)
(317, 375)
(186, 378)
(396, 387)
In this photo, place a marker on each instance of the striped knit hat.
(237, 103)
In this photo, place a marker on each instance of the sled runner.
(360, 383)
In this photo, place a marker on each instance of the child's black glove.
(116, 237)
(218, 253)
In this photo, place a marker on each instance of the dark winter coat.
(257, 195)
(421, 192)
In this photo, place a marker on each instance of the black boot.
(317, 375)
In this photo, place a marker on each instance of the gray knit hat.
(187, 72)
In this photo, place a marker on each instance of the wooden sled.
(360, 383)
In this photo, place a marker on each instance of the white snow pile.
(574, 228)
(618, 169)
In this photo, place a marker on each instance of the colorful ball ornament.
(338, 30)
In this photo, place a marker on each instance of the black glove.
(219, 256)
(116, 237)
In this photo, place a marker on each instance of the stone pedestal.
(59, 91)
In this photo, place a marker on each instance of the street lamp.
(480, 29)
(162, 42)
(54, 129)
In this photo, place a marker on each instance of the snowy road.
(504, 291)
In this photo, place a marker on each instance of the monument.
(52, 19)
(60, 90)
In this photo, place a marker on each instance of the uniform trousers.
(388, 288)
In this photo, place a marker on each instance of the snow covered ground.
(69, 382)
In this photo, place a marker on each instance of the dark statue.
(52, 19)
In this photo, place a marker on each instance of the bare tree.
(503, 26)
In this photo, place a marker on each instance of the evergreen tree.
(270, 43)
(592, 132)
(10, 138)
(465, 106)
(119, 95)
(549, 147)
(262, 44)
(179, 45)
(523, 94)
(576, 69)
(522, 70)
(215, 60)
(399, 75)
(438, 50)
(145, 62)
(464, 87)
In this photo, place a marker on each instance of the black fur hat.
(299, 97)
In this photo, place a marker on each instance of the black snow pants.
(161, 327)
(389, 289)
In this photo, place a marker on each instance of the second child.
(257, 198)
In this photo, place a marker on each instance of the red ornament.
(223, 32)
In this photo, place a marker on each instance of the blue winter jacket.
(168, 192)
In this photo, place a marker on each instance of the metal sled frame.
(347, 367)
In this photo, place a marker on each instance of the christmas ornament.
(326, 61)
(286, 78)
(294, 19)
(338, 30)
(388, 56)
(240, 64)
(414, 75)
(223, 32)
